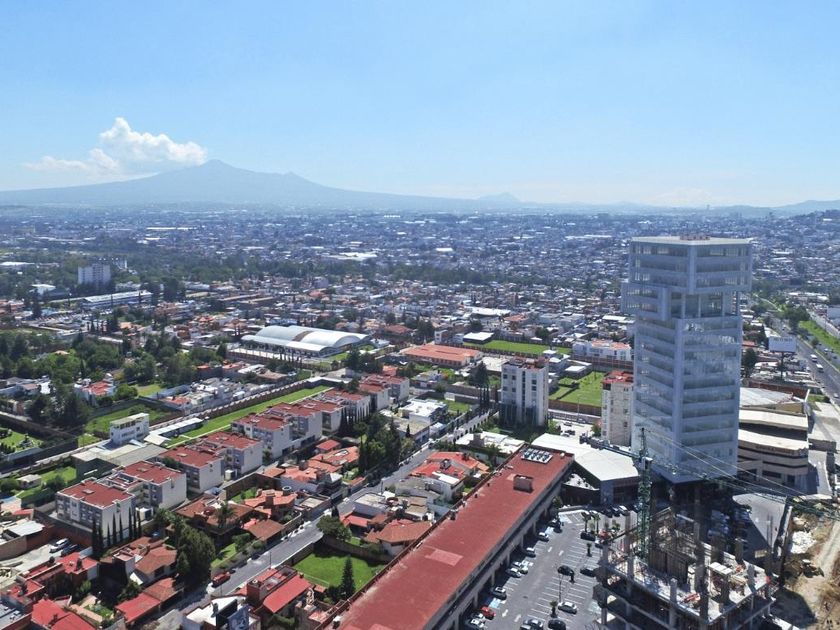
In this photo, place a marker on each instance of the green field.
(457, 407)
(516, 346)
(223, 422)
(86, 439)
(588, 391)
(14, 440)
(103, 423)
(325, 568)
(224, 553)
(67, 475)
(825, 338)
(148, 390)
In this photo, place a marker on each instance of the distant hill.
(215, 181)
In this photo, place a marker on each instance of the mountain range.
(218, 182)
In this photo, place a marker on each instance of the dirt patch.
(814, 601)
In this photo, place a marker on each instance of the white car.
(513, 572)
(569, 607)
(59, 544)
(530, 551)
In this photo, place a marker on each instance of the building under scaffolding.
(683, 584)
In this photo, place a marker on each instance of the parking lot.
(530, 595)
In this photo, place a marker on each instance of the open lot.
(325, 568)
(588, 391)
(223, 422)
(18, 441)
(531, 595)
(516, 346)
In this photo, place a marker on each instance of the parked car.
(535, 624)
(569, 607)
(475, 623)
(543, 536)
(59, 544)
(512, 572)
(531, 552)
(565, 569)
(499, 591)
(488, 612)
(556, 624)
(587, 535)
(69, 549)
(522, 567)
(220, 578)
(590, 571)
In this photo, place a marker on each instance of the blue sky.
(676, 103)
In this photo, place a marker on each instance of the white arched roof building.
(303, 340)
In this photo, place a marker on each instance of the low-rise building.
(133, 427)
(445, 356)
(242, 454)
(203, 466)
(153, 484)
(95, 505)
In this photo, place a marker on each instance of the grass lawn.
(67, 475)
(223, 422)
(825, 338)
(516, 346)
(325, 568)
(14, 440)
(224, 553)
(588, 391)
(148, 390)
(88, 438)
(103, 423)
(249, 493)
(457, 407)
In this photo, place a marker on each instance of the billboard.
(781, 344)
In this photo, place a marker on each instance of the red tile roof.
(193, 457)
(94, 493)
(231, 440)
(47, 614)
(399, 532)
(286, 593)
(138, 607)
(263, 529)
(424, 579)
(152, 472)
(157, 558)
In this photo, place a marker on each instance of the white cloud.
(124, 152)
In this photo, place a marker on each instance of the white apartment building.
(153, 484)
(617, 407)
(242, 454)
(524, 394)
(93, 504)
(203, 466)
(134, 427)
(684, 293)
(602, 349)
(282, 428)
(98, 274)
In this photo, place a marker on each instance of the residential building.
(93, 504)
(282, 429)
(153, 484)
(242, 454)
(684, 293)
(203, 466)
(524, 392)
(602, 350)
(445, 356)
(617, 407)
(98, 274)
(398, 386)
(134, 427)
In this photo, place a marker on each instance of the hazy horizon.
(649, 103)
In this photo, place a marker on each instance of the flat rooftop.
(777, 419)
(601, 464)
(424, 582)
(692, 240)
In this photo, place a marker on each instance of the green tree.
(131, 590)
(348, 584)
(333, 527)
(748, 361)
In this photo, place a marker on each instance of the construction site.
(668, 578)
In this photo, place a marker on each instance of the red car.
(220, 578)
(488, 612)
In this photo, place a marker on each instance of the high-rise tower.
(684, 293)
